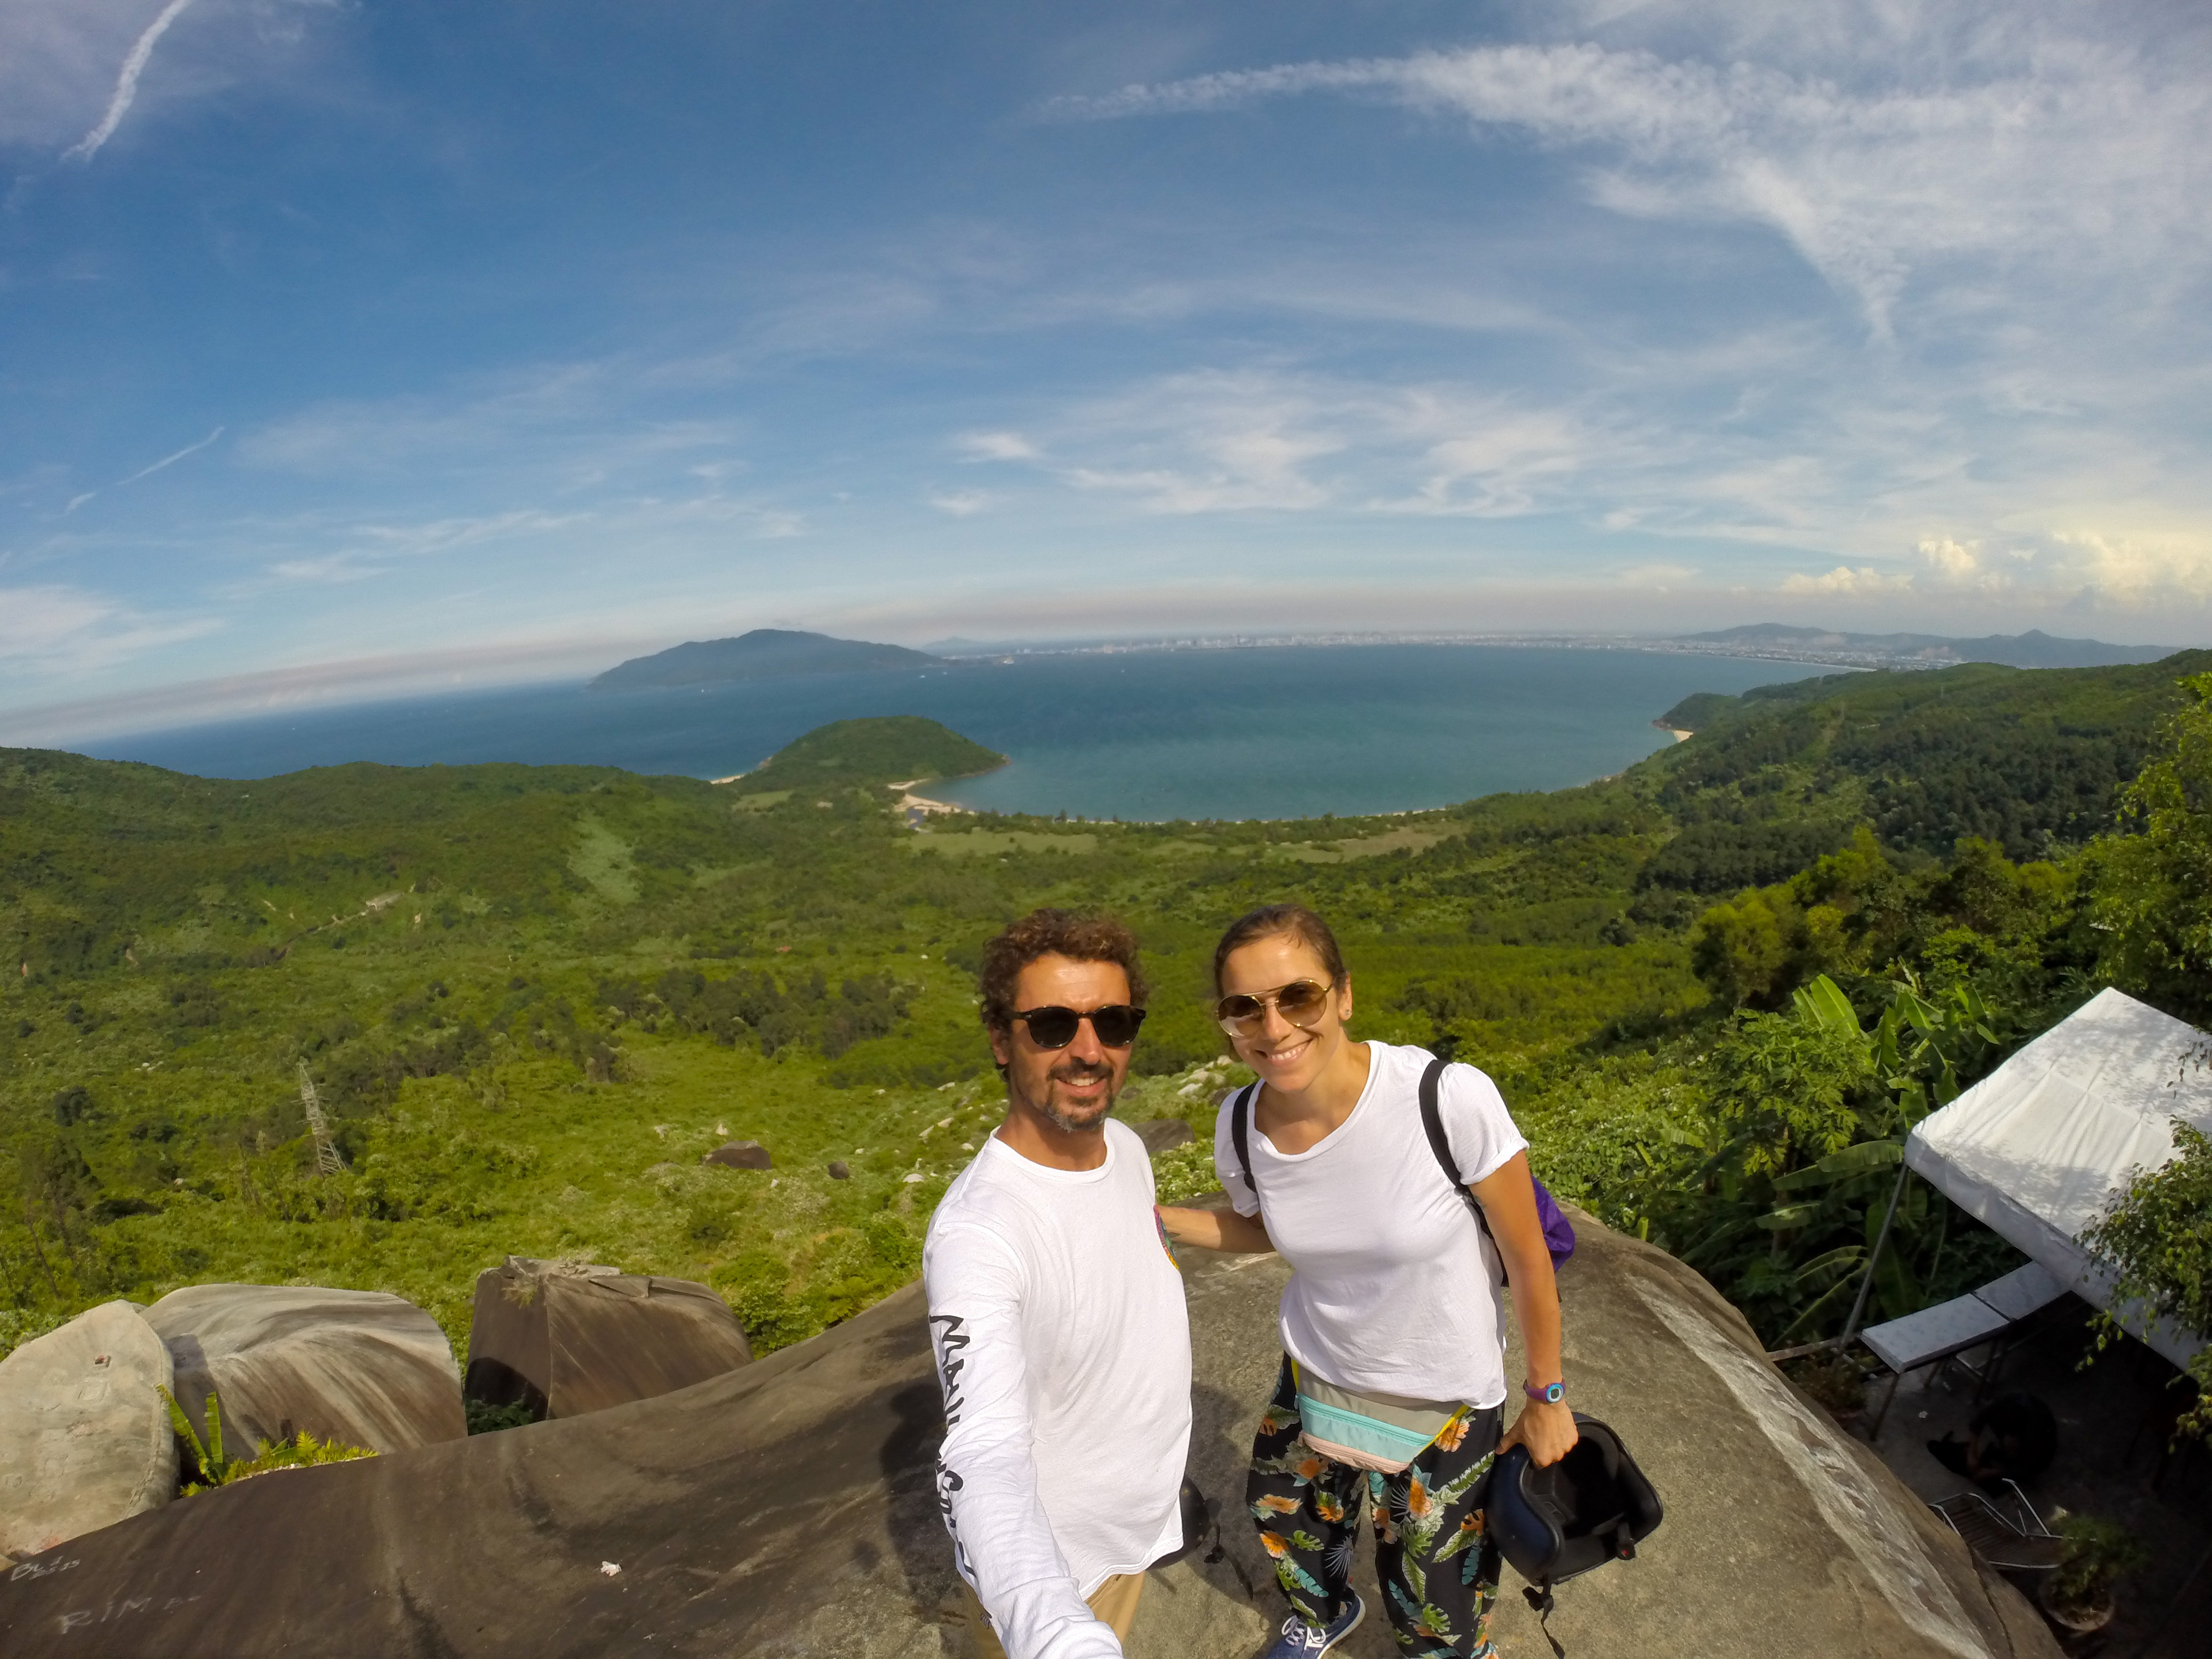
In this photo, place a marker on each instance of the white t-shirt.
(1394, 1288)
(1063, 1347)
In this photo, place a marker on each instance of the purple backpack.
(1559, 1235)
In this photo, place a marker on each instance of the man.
(1061, 1340)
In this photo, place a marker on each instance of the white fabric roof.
(2036, 1149)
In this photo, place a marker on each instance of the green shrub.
(298, 1451)
(483, 1417)
(2158, 1236)
(1186, 1172)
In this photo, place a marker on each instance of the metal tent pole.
(1859, 1307)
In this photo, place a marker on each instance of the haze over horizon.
(352, 350)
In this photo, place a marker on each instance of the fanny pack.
(1384, 1432)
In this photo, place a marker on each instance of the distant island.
(766, 654)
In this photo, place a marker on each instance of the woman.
(1391, 1323)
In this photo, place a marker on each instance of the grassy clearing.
(989, 842)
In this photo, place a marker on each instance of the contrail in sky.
(171, 460)
(126, 85)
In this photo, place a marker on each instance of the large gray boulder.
(788, 1510)
(84, 1435)
(362, 1368)
(565, 1339)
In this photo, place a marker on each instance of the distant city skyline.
(357, 350)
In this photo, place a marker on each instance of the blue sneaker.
(1300, 1640)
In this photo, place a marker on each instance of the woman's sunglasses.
(1301, 1002)
(1115, 1023)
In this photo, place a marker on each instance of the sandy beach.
(910, 802)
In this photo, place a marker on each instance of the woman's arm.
(1220, 1230)
(1507, 1197)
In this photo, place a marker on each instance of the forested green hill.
(2032, 759)
(900, 748)
(532, 997)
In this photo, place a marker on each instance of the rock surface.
(1162, 1132)
(84, 1436)
(786, 1509)
(566, 1340)
(362, 1368)
(740, 1155)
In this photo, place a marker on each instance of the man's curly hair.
(1053, 934)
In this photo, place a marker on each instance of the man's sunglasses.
(1301, 1002)
(1115, 1023)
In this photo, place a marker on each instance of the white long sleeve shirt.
(1063, 1347)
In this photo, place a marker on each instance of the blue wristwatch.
(1551, 1394)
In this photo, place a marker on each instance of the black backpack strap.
(1240, 1136)
(1432, 1121)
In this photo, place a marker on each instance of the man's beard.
(1088, 1117)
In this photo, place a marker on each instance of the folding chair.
(1941, 1333)
(2017, 1540)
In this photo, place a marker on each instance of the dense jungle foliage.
(1715, 989)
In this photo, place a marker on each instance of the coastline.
(1400, 731)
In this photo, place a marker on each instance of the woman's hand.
(1215, 1229)
(1547, 1430)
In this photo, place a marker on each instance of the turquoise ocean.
(1259, 731)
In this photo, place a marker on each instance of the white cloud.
(331, 568)
(997, 446)
(1208, 442)
(2136, 569)
(126, 83)
(57, 629)
(435, 536)
(334, 680)
(961, 503)
(1954, 559)
(569, 418)
(2041, 151)
(1843, 580)
(1493, 462)
(170, 460)
(72, 70)
(1661, 576)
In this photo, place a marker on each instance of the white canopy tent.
(2039, 1147)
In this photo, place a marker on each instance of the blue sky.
(349, 347)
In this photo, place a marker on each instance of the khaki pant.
(1115, 1602)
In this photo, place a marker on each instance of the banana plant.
(1923, 1045)
(1791, 1246)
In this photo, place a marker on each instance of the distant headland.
(766, 654)
(1763, 642)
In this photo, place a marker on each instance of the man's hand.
(1548, 1430)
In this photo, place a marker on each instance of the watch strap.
(1551, 1394)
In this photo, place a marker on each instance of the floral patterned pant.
(1439, 1569)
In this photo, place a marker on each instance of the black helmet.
(1592, 1506)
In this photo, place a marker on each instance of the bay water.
(1258, 731)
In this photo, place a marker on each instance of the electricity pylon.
(327, 1161)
